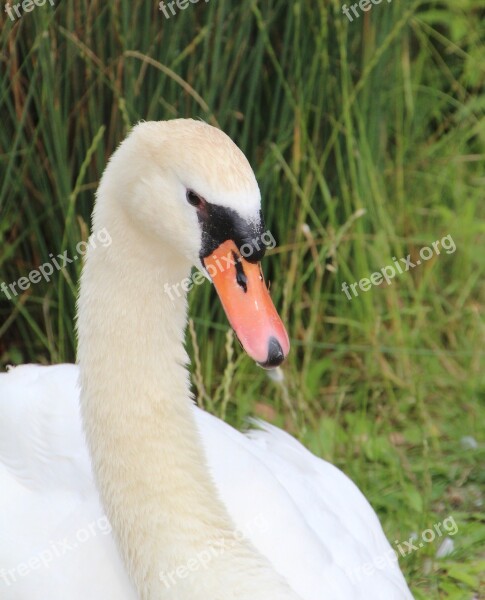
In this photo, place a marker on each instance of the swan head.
(187, 188)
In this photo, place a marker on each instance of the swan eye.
(193, 198)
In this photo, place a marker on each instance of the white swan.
(199, 511)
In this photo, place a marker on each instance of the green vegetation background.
(368, 140)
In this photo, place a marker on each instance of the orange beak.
(248, 305)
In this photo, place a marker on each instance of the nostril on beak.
(275, 355)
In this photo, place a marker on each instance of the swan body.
(114, 485)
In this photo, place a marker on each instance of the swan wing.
(302, 513)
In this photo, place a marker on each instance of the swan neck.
(138, 414)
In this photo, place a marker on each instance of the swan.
(113, 483)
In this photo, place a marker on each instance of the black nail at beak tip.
(275, 355)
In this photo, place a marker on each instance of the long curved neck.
(136, 407)
(147, 456)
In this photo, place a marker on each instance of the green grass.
(383, 115)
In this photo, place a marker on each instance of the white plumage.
(300, 511)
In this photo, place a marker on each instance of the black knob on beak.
(275, 355)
